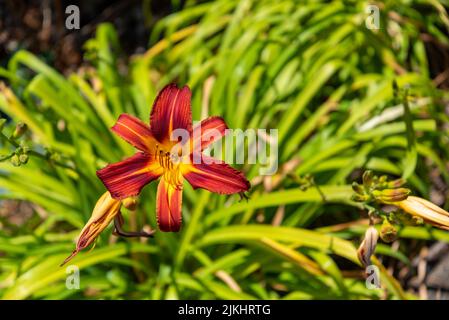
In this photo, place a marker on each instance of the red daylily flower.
(156, 158)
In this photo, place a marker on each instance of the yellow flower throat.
(172, 173)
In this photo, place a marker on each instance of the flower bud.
(15, 160)
(130, 203)
(382, 179)
(23, 158)
(368, 246)
(367, 178)
(54, 156)
(391, 195)
(359, 198)
(358, 188)
(21, 128)
(396, 183)
(388, 232)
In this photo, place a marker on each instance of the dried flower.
(368, 246)
(105, 210)
(426, 210)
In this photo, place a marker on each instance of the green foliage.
(310, 69)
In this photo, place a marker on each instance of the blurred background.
(321, 72)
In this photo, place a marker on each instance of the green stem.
(190, 229)
(38, 155)
(11, 141)
(9, 156)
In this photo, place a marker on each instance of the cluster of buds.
(21, 151)
(375, 191)
(379, 189)
(20, 155)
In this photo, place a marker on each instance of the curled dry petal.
(368, 246)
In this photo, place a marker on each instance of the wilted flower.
(426, 210)
(105, 210)
(368, 246)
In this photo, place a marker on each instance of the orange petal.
(168, 206)
(135, 132)
(215, 176)
(171, 110)
(126, 178)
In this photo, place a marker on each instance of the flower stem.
(37, 155)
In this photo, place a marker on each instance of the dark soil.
(39, 26)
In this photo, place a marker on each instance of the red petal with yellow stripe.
(135, 132)
(171, 110)
(126, 178)
(216, 176)
(168, 206)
